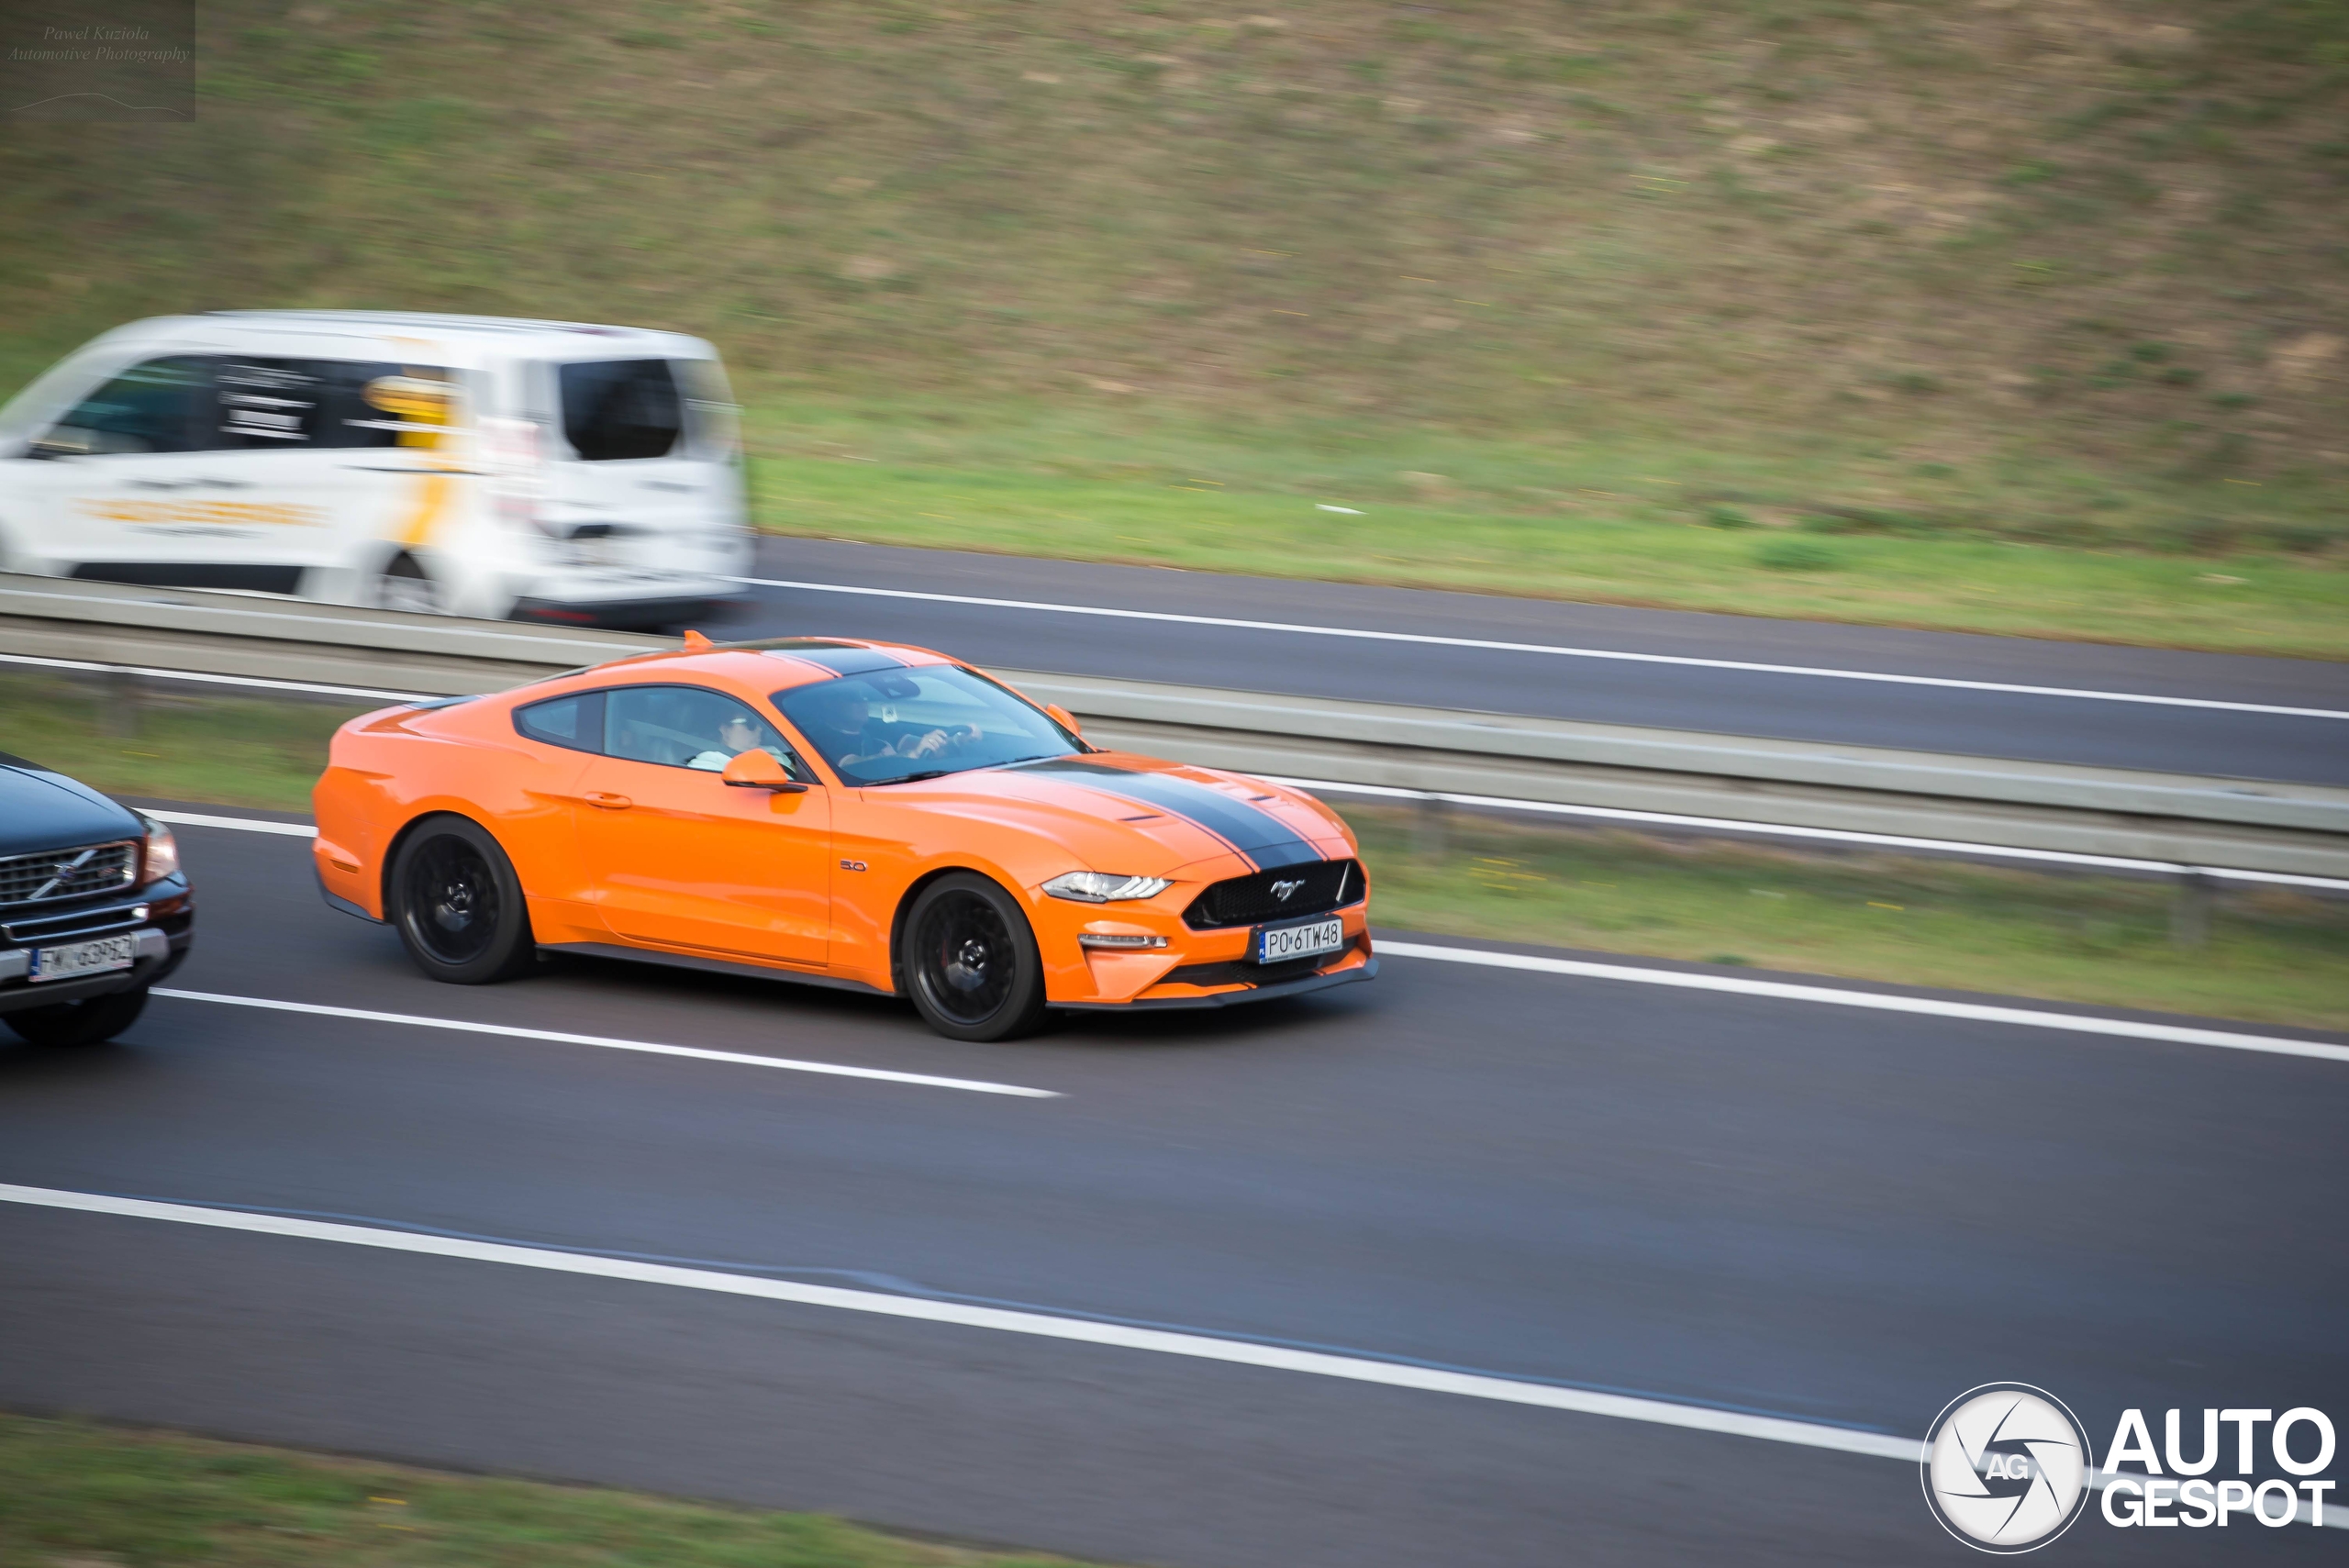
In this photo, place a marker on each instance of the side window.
(687, 727)
(288, 405)
(617, 409)
(158, 406)
(576, 722)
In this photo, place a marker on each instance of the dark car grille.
(52, 874)
(1238, 971)
(1245, 900)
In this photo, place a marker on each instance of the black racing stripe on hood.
(1259, 835)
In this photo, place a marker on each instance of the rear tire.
(970, 962)
(93, 1020)
(458, 906)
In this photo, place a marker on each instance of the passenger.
(736, 733)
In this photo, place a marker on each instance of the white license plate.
(83, 958)
(1276, 944)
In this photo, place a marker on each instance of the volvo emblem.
(1281, 890)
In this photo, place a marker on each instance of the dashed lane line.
(649, 1047)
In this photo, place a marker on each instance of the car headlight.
(160, 857)
(1105, 887)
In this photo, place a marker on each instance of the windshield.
(892, 725)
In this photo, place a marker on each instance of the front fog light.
(1117, 939)
(1105, 887)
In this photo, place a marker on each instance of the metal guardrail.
(2179, 819)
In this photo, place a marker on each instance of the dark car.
(93, 907)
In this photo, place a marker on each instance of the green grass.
(1619, 523)
(2274, 956)
(1604, 268)
(222, 751)
(75, 1494)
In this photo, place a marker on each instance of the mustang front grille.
(1314, 888)
(67, 874)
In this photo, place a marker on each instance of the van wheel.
(970, 961)
(457, 904)
(404, 585)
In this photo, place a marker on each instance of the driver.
(840, 722)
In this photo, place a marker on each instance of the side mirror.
(758, 770)
(1064, 718)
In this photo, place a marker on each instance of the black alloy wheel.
(458, 904)
(970, 962)
(89, 1021)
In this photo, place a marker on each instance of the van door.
(640, 464)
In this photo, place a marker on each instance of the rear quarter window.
(573, 722)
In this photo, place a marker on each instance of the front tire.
(970, 962)
(458, 906)
(93, 1020)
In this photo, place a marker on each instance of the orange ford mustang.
(848, 812)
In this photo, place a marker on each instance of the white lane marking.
(1039, 1325)
(1429, 639)
(559, 1036)
(242, 824)
(212, 680)
(1783, 830)
(1835, 996)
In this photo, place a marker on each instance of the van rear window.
(617, 409)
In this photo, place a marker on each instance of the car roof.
(780, 663)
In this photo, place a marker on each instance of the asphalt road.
(1806, 707)
(1719, 1200)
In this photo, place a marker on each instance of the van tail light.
(514, 450)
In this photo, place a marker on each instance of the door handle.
(608, 800)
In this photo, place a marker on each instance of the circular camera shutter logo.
(2006, 1467)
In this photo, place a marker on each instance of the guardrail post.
(1431, 828)
(2189, 911)
(119, 700)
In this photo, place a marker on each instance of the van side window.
(158, 406)
(574, 722)
(275, 405)
(618, 409)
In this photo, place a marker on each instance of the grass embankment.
(2273, 955)
(1653, 523)
(78, 1496)
(1602, 276)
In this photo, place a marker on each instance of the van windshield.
(618, 409)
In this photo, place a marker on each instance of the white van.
(532, 470)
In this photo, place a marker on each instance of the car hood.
(1117, 812)
(42, 810)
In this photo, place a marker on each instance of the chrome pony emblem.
(1281, 890)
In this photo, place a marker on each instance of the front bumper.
(160, 922)
(628, 614)
(1366, 970)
